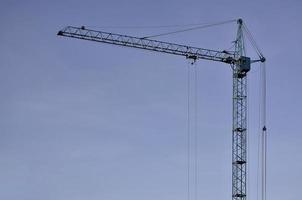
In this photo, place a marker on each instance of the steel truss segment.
(239, 133)
(239, 152)
(147, 44)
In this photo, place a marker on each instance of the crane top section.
(147, 44)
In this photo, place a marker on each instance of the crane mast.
(240, 65)
(239, 135)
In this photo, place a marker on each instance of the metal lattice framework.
(240, 65)
(147, 44)
(239, 136)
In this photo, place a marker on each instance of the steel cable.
(252, 41)
(190, 29)
(196, 129)
(188, 129)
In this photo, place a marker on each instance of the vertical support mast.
(239, 132)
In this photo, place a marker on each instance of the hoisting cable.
(188, 129)
(192, 137)
(264, 131)
(262, 137)
(190, 29)
(259, 134)
(195, 131)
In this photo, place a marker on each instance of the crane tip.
(60, 33)
(263, 59)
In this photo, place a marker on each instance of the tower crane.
(240, 65)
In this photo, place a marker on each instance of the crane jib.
(147, 44)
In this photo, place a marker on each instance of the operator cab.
(244, 66)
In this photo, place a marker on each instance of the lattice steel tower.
(239, 135)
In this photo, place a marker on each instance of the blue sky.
(82, 120)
